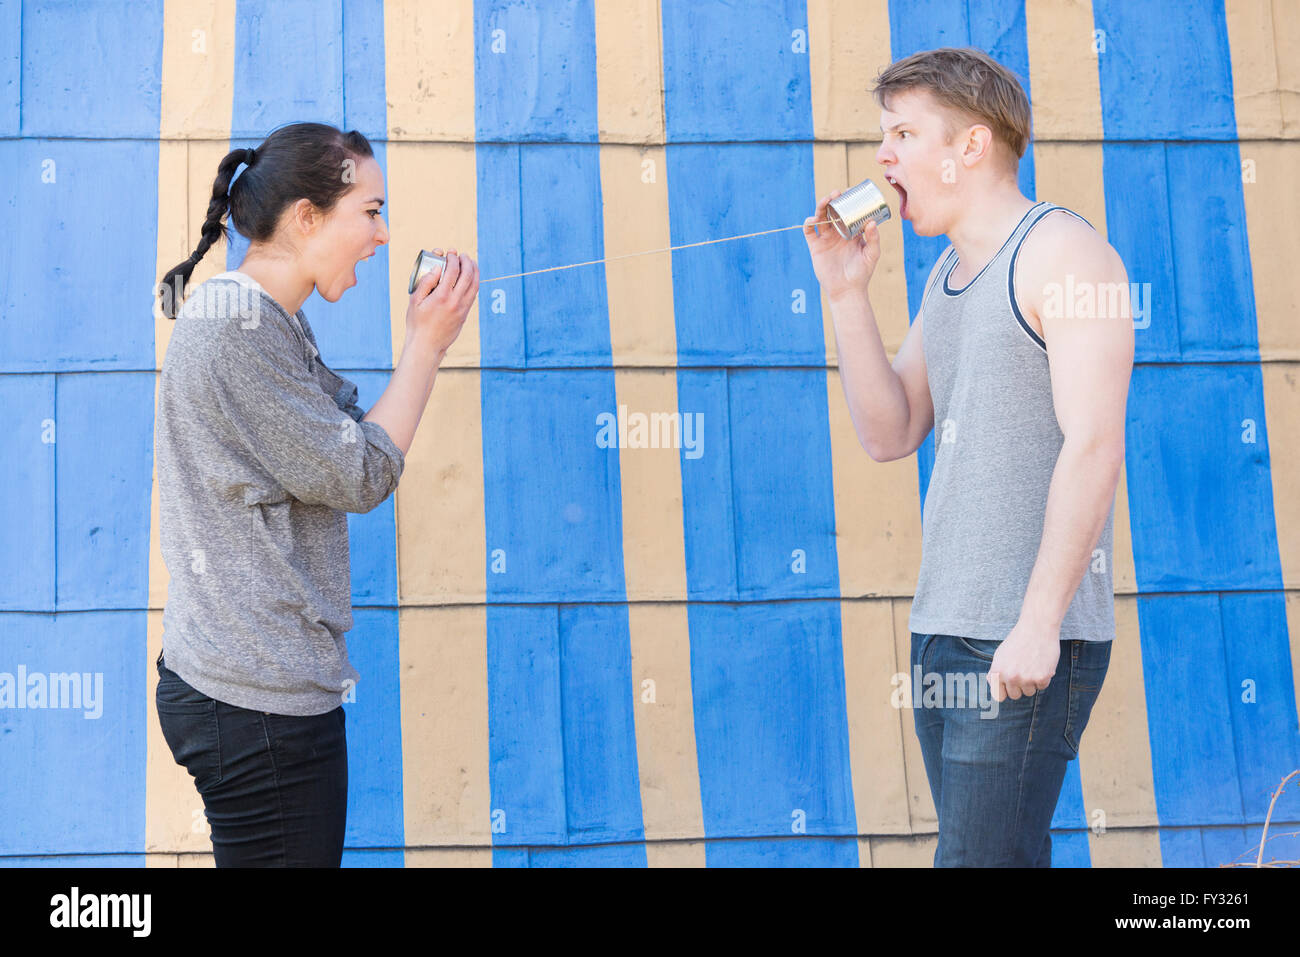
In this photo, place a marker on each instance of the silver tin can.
(424, 264)
(852, 210)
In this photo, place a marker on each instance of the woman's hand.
(436, 313)
(842, 265)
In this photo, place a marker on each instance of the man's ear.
(977, 145)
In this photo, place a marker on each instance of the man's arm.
(1091, 359)
(889, 403)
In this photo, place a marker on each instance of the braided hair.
(301, 160)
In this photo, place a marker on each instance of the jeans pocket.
(1089, 661)
(188, 719)
(979, 647)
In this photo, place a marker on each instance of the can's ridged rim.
(853, 209)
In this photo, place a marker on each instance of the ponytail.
(213, 229)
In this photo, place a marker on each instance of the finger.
(425, 286)
(463, 273)
(809, 230)
(451, 274)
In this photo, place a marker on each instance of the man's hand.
(841, 265)
(1025, 660)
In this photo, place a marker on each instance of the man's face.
(919, 161)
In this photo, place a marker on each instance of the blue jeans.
(995, 768)
(274, 786)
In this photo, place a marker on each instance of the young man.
(1026, 393)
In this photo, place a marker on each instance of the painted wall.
(580, 655)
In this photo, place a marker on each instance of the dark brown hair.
(301, 160)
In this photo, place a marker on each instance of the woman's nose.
(383, 231)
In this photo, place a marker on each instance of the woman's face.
(350, 232)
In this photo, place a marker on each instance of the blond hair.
(967, 82)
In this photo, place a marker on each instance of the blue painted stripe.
(94, 76)
(561, 221)
(1228, 845)
(783, 852)
(1216, 306)
(736, 72)
(1070, 812)
(563, 739)
(104, 477)
(374, 857)
(554, 514)
(288, 65)
(1181, 847)
(771, 731)
(1200, 496)
(27, 525)
(1193, 766)
(525, 725)
(998, 28)
(601, 778)
(765, 439)
(1262, 701)
(1070, 849)
(502, 339)
(535, 72)
(54, 757)
(376, 817)
(11, 67)
(1163, 76)
(1140, 227)
(84, 243)
(373, 535)
(76, 860)
(735, 303)
(365, 105)
(602, 855)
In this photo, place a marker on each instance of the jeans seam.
(279, 798)
(1024, 763)
(1072, 699)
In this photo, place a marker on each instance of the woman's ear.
(305, 216)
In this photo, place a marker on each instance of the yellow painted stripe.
(448, 857)
(917, 851)
(664, 707)
(923, 817)
(634, 192)
(1115, 751)
(446, 787)
(1127, 847)
(629, 72)
(429, 66)
(1256, 88)
(196, 101)
(1271, 184)
(848, 45)
(876, 753)
(1063, 72)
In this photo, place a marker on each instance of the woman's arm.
(434, 318)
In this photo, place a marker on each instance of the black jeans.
(274, 786)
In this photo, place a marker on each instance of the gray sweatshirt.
(260, 451)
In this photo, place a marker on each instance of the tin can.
(425, 263)
(852, 210)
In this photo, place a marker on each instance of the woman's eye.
(373, 212)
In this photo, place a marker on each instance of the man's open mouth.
(902, 195)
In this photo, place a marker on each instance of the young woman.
(261, 449)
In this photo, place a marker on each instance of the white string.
(650, 252)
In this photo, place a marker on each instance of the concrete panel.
(639, 290)
(1271, 183)
(27, 526)
(1115, 751)
(198, 64)
(1063, 67)
(429, 98)
(875, 724)
(848, 45)
(440, 524)
(432, 204)
(665, 732)
(733, 75)
(629, 72)
(445, 755)
(1256, 92)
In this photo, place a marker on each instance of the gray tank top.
(996, 441)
